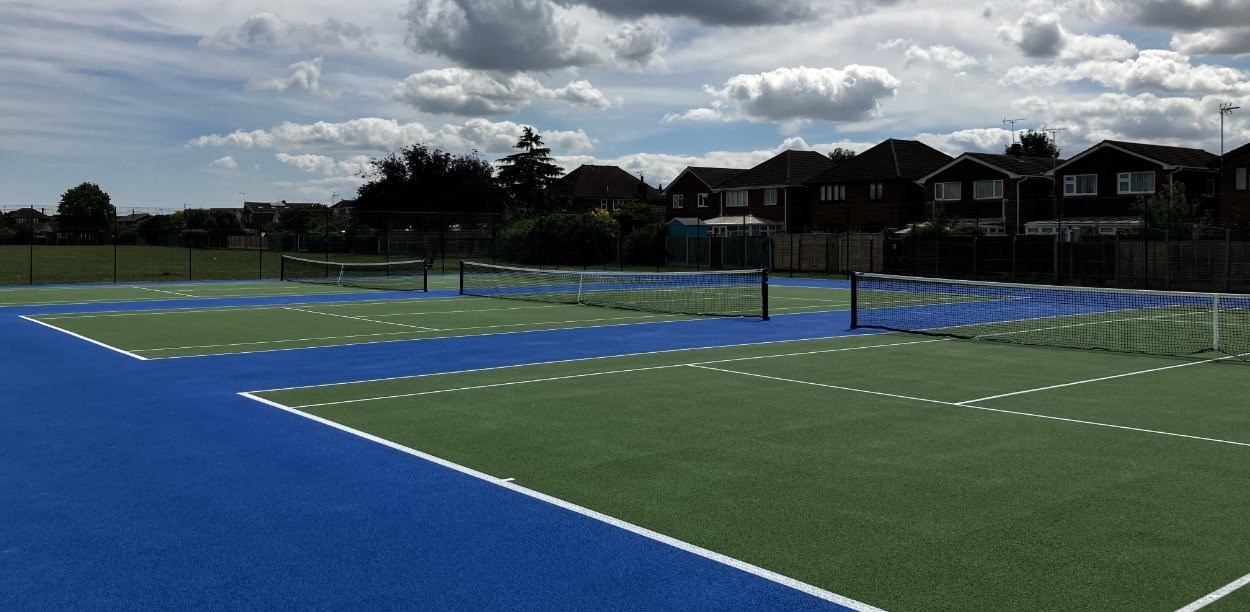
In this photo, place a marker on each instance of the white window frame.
(1071, 185)
(702, 202)
(995, 190)
(948, 192)
(1124, 182)
(736, 198)
(770, 197)
(1241, 179)
(876, 191)
(679, 200)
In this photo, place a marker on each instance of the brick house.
(1234, 193)
(874, 190)
(1104, 181)
(774, 192)
(257, 215)
(691, 195)
(999, 193)
(28, 216)
(605, 187)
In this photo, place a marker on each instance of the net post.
(1215, 323)
(425, 275)
(854, 300)
(461, 277)
(764, 291)
(282, 267)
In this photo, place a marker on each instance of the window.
(876, 191)
(702, 200)
(678, 200)
(1241, 179)
(987, 190)
(947, 191)
(737, 197)
(1080, 184)
(770, 197)
(1135, 182)
(603, 204)
(830, 193)
(1208, 188)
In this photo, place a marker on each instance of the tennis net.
(742, 293)
(1152, 322)
(411, 275)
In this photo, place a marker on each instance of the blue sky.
(205, 103)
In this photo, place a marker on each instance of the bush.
(645, 245)
(572, 239)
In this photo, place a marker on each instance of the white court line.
(328, 314)
(177, 293)
(1094, 380)
(997, 410)
(84, 338)
(1217, 594)
(586, 512)
(603, 373)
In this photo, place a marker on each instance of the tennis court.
(366, 448)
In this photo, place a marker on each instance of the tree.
(420, 179)
(86, 209)
(839, 155)
(1033, 144)
(1170, 211)
(529, 173)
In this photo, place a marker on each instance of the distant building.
(606, 187)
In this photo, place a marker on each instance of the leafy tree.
(159, 228)
(1033, 144)
(216, 222)
(839, 155)
(305, 219)
(87, 208)
(420, 179)
(529, 173)
(1170, 211)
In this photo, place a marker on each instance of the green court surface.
(168, 333)
(907, 472)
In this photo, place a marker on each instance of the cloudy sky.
(208, 102)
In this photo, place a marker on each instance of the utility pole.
(1225, 109)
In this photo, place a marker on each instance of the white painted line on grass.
(1094, 380)
(330, 314)
(1216, 594)
(177, 293)
(983, 408)
(738, 564)
(85, 339)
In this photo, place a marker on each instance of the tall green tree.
(1033, 144)
(529, 173)
(839, 155)
(421, 179)
(86, 209)
(1170, 211)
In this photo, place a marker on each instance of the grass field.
(907, 474)
(901, 471)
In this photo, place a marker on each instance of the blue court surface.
(132, 484)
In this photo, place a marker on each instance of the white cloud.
(638, 44)
(1151, 70)
(1043, 36)
(322, 164)
(382, 135)
(712, 12)
(226, 162)
(1182, 15)
(493, 35)
(799, 94)
(468, 92)
(983, 140)
(268, 29)
(1143, 118)
(1226, 41)
(304, 76)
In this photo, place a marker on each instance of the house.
(592, 187)
(257, 215)
(28, 216)
(876, 189)
(690, 194)
(774, 192)
(132, 219)
(1234, 197)
(344, 210)
(1106, 180)
(999, 193)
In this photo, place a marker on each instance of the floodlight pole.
(1054, 185)
(1226, 108)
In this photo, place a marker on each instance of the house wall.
(1107, 163)
(795, 214)
(902, 202)
(1234, 204)
(689, 187)
(1024, 199)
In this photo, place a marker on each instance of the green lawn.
(869, 470)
